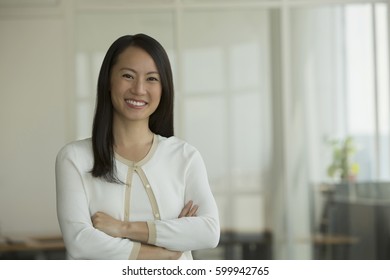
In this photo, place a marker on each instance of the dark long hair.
(160, 122)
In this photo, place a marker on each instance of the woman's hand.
(137, 231)
(189, 210)
(150, 252)
(108, 224)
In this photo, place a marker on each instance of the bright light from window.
(367, 72)
(359, 68)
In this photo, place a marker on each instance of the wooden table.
(31, 247)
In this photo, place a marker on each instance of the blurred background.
(287, 100)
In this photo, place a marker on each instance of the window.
(227, 107)
(366, 44)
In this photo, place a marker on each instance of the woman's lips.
(135, 103)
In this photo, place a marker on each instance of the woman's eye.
(154, 79)
(127, 76)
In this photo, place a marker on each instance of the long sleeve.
(81, 239)
(190, 233)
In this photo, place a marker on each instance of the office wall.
(32, 120)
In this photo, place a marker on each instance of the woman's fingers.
(107, 224)
(186, 209)
(192, 211)
(189, 210)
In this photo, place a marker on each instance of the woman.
(134, 191)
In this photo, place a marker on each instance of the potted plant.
(343, 167)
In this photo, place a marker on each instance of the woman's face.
(135, 85)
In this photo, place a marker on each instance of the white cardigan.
(155, 190)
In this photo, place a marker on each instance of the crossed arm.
(139, 231)
(93, 237)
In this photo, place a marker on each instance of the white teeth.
(135, 103)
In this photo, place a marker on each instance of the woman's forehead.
(137, 60)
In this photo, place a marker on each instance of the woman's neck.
(129, 134)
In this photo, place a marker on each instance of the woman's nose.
(139, 87)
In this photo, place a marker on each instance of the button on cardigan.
(154, 190)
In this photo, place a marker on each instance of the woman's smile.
(136, 104)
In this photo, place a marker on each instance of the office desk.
(246, 245)
(46, 247)
(361, 213)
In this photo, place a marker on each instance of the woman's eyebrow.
(131, 69)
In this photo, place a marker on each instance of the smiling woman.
(135, 86)
(117, 197)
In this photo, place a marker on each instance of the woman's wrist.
(150, 252)
(137, 231)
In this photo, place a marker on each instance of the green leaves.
(342, 166)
